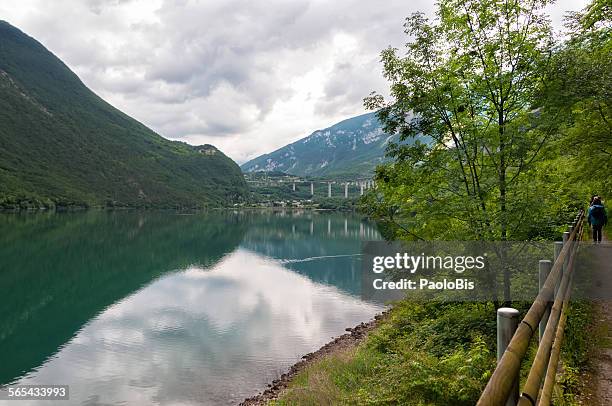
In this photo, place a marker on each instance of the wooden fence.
(547, 315)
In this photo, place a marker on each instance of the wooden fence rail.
(556, 289)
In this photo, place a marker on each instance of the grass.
(431, 354)
(578, 345)
(422, 354)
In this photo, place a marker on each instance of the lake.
(162, 308)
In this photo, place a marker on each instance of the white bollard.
(544, 271)
(507, 323)
(558, 248)
(566, 240)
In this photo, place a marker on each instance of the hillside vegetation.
(61, 144)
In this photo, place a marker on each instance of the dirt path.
(603, 372)
(598, 384)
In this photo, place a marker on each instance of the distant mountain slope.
(350, 148)
(62, 144)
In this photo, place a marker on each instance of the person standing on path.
(598, 218)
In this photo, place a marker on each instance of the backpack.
(598, 213)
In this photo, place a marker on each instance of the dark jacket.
(598, 215)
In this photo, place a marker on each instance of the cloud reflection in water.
(199, 336)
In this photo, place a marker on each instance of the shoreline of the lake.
(352, 338)
(81, 209)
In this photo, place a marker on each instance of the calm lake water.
(154, 308)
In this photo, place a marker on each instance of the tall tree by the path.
(469, 80)
(579, 94)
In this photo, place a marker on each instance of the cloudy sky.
(247, 76)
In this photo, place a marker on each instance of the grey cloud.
(97, 6)
(200, 69)
(348, 85)
(223, 44)
(192, 49)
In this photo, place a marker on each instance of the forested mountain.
(350, 148)
(61, 144)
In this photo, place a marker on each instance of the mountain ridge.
(61, 144)
(350, 148)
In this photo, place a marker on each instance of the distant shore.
(64, 209)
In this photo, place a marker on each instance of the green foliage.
(467, 80)
(423, 354)
(336, 203)
(577, 97)
(578, 341)
(61, 145)
(520, 128)
(569, 382)
(595, 15)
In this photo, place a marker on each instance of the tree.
(579, 92)
(469, 80)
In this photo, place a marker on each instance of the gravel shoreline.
(353, 337)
